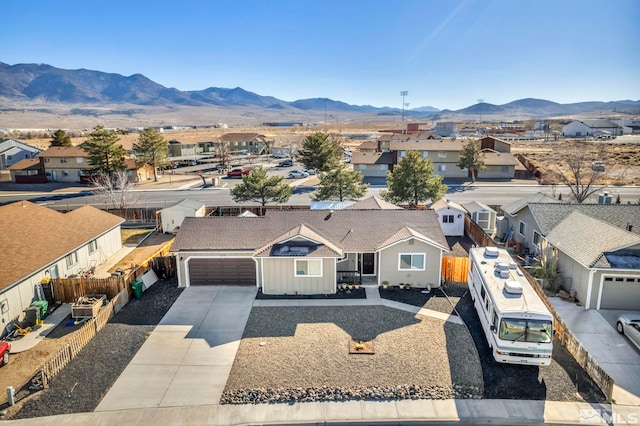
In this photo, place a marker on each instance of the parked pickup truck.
(5, 348)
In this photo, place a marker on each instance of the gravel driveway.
(305, 356)
(563, 380)
(80, 386)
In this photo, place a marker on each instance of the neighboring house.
(29, 170)
(373, 203)
(445, 128)
(173, 216)
(137, 173)
(13, 151)
(518, 216)
(38, 242)
(311, 251)
(178, 151)
(451, 217)
(253, 143)
(483, 215)
(602, 260)
(375, 158)
(65, 164)
(582, 128)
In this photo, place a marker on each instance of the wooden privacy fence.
(80, 338)
(565, 336)
(455, 269)
(68, 290)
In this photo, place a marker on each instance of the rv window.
(522, 330)
(482, 293)
(495, 322)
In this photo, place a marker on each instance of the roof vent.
(502, 269)
(512, 287)
(491, 251)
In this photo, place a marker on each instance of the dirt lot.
(621, 157)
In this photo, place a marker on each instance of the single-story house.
(12, 151)
(483, 215)
(29, 170)
(451, 217)
(602, 260)
(173, 216)
(38, 242)
(137, 173)
(311, 251)
(582, 128)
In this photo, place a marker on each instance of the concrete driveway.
(187, 358)
(619, 358)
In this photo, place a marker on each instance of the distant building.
(253, 143)
(445, 128)
(580, 129)
(12, 151)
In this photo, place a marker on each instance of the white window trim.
(520, 226)
(95, 249)
(73, 256)
(539, 239)
(424, 261)
(295, 268)
(442, 154)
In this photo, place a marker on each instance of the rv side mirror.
(493, 328)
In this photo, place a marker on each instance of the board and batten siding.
(279, 277)
(390, 259)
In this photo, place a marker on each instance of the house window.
(522, 229)
(308, 267)
(447, 218)
(425, 154)
(411, 261)
(79, 160)
(442, 167)
(537, 239)
(63, 160)
(401, 153)
(71, 259)
(442, 154)
(93, 246)
(46, 160)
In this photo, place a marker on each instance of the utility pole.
(403, 94)
(325, 110)
(480, 102)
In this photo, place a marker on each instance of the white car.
(310, 171)
(629, 325)
(293, 174)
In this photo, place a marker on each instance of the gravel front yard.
(563, 380)
(80, 386)
(307, 348)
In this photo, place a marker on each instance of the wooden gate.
(455, 269)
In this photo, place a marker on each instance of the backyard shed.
(173, 216)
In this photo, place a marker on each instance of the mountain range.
(45, 84)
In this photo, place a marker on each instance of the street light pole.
(325, 110)
(403, 94)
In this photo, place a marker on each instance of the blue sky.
(445, 53)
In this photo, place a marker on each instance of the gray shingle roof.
(585, 239)
(349, 230)
(539, 197)
(548, 215)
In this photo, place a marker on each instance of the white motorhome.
(517, 324)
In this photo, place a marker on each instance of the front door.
(368, 263)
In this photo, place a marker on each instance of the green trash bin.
(137, 288)
(43, 305)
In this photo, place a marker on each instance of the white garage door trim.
(603, 283)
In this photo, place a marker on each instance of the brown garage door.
(203, 271)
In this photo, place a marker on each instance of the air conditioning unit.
(605, 198)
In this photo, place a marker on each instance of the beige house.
(65, 164)
(251, 143)
(311, 251)
(38, 242)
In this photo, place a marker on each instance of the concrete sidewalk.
(461, 411)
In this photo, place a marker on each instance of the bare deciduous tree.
(584, 180)
(115, 189)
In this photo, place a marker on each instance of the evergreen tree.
(60, 138)
(256, 186)
(471, 158)
(151, 149)
(340, 184)
(106, 156)
(320, 152)
(412, 181)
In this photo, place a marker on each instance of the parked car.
(310, 171)
(295, 174)
(280, 155)
(629, 325)
(5, 348)
(239, 172)
(285, 163)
